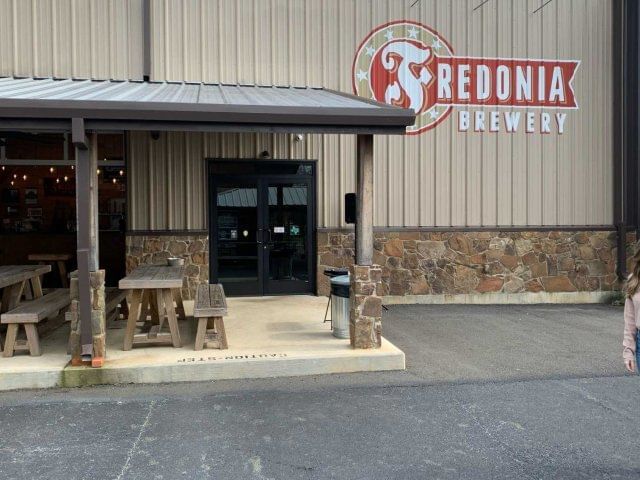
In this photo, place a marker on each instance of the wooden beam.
(84, 303)
(87, 225)
(364, 200)
(87, 199)
(78, 134)
(94, 263)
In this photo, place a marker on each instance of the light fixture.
(121, 172)
(51, 169)
(66, 178)
(57, 180)
(98, 171)
(2, 167)
(12, 182)
(15, 175)
(24, 177)
(115, 180)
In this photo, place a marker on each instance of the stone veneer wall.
(429, 263)
(150, 249)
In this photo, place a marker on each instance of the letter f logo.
(400, 75)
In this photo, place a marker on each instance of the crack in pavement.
(520, 458)
(590, 398)
(134, 447)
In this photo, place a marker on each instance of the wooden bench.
(210, 306)
(114, 297)
(29, 314)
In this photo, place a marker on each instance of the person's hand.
(630, 363)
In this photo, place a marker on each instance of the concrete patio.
(268, 337)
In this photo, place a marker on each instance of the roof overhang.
(47, 104)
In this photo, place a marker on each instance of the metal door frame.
(261, 179)
(213, 230)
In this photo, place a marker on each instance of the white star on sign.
(388, 35)
(369, 50)
(413, 33)
(433, 113)
(436, 44)
(361, 75)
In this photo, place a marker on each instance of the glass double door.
(262, 234)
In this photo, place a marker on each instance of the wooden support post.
(365, 303)
(364, 200)
(87, 224)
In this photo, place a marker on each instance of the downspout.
(620, 140)
(146, 40)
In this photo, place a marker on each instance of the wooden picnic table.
(13, 279)
(60, 259)
(153, 286)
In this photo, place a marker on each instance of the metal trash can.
(335, 272)
(340, 306)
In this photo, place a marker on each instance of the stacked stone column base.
(98, 320)
(365, 326)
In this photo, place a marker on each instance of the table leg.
(171, 317)
(222, 334)
(36, 287)
(155, 307)
(6, 295)
(177, 295)
(32, 339)
(62, 270)
(28, 291)
(159, 307)
(144, 306)
(124, 308)
(134, 314)
(10, 343)
(11, 296)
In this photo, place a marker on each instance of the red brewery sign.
(408, 64)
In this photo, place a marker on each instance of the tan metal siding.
(168, 177)
(439, 178)
(99, 39)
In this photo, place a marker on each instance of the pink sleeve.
(630, 330)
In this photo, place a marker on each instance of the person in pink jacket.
(631, 339)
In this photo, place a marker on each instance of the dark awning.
(184, 106)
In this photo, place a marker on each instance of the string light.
(51, 169)
(15, 175)
(115, 180)
(3, 168)
(121, 172)
(66, 178)
(57, 180)
(24, 177)
(98, 171)
(12, 182)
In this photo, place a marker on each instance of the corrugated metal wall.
(439, 178)
(167, 176)
(99, 39)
